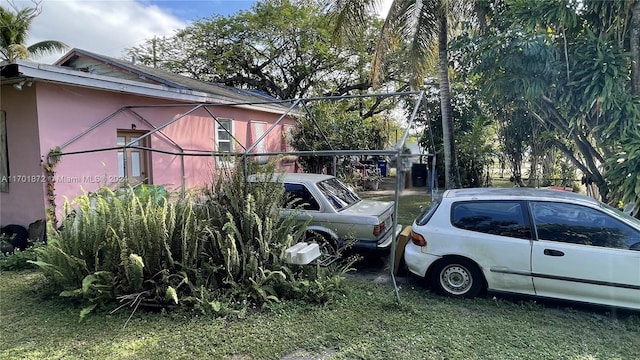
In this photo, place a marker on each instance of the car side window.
(504, 218)
(578, 224)
(298, 196)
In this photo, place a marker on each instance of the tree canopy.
(548, 83)
(566, 65)
(281, 47)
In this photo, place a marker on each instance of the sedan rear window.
(504, 218)
(338, 195)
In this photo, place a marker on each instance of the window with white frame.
(224, 141)
(287, 137)
(137, 160)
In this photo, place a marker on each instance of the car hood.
(369, 207)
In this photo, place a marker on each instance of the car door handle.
(551, 252)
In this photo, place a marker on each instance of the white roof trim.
(78, 78)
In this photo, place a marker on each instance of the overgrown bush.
(18, 260)
(220, 250)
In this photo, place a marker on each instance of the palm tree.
(14, 29)
(635, 49)
(423, 24)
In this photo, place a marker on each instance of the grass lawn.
(408, 207)
(364, 324)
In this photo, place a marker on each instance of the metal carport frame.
(247, 153)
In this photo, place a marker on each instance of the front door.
(136, 169)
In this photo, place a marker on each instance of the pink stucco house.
(113, 119)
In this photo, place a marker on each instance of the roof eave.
(58, 74)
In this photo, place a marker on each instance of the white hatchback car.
(546, 243)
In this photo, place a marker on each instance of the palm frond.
(47, 47)
(423, 44)
(17, 51)
(349, 15)
(14, 31)
(397, 27)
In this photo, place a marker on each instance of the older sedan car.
(337, 214)
(544, 243)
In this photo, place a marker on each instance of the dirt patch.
(305, 355)
(376, 269)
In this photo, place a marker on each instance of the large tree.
(15, 24)
(424, 27)
(284, 48)
(280, 47)
(568, 62)
(474, 133)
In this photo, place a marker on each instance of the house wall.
(64, 112)
(24, 203)
(59, 113)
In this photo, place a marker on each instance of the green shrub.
(249, 236)
(19, 260)
(219, 251)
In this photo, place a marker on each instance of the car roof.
(518, 193)
(306, 177)
(295, 177)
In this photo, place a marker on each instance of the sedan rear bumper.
(382, 246)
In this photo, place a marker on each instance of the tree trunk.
(635, 49)
(533, 180)
(548, 166)
(451, 171)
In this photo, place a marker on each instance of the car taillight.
(417, 239)
(379, 229)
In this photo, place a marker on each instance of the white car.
(545, 243)
(337, 214)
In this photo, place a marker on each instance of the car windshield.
(630, 219)
(340, 196)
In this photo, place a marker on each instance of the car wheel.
(458, 278)
(327, 244)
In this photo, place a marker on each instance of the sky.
(107, 27)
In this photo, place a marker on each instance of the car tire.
(327, 244)
(457, 277)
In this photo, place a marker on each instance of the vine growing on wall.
(53, 158)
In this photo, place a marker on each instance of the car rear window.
(338, 195)
(504, 218)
